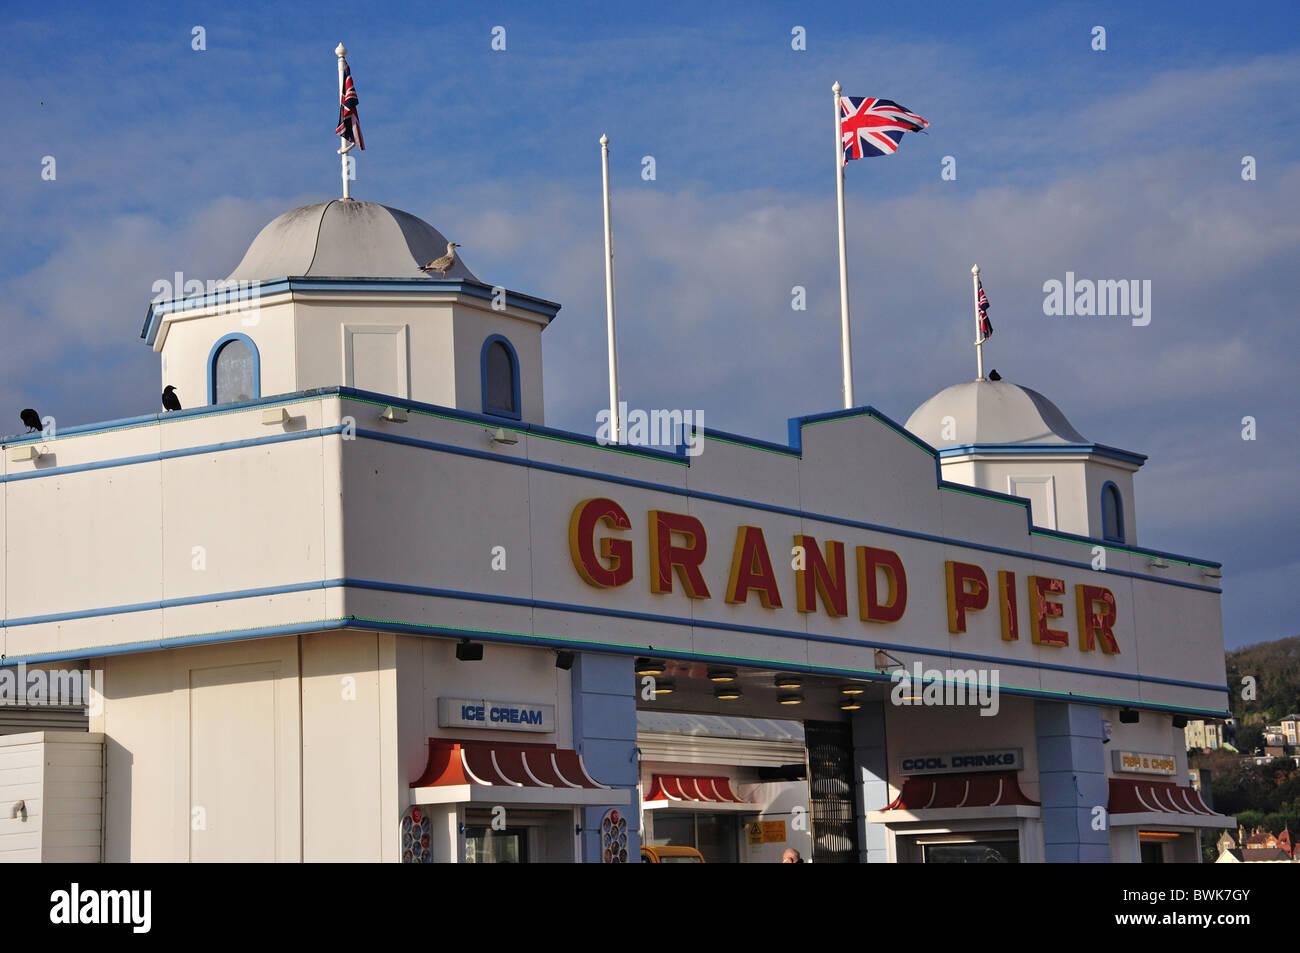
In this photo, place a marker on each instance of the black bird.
(31, 418)
(169, 398)
(994, 375)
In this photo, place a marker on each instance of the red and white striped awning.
(493, 763)
(927, 792)
(1155, 797)
(677, 787)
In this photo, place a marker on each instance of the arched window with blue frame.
(500, 375)
(1112, 513)
(234, 370)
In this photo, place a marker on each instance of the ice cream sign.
(484, 713)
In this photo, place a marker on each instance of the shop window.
(233, 371)
(1112, 513)
(500, 370)
(974, 852)
(715, 836)
(483, 845)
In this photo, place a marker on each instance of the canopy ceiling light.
(852, 689)
(648, 666)
(788, 681)
(727, 694)
(722, 674)
(791, 699)
(665, 686)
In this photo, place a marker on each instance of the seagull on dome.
(444, 264)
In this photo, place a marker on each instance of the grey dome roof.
(988, 412)
(344, 239)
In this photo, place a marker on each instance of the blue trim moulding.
(509, 638)
(518, 412)
(1048, 449)
(433, 592)
(678, 457)
(212, 364)
(243, 290)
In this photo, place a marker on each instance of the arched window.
(233, 370)
(1112, 513)
(500, 369)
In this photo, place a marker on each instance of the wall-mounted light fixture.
(1128, 716)
(649, 666)
(507, 437)
(394, 415)
(27, 452)
(564, 659)
(275, 415)
(467, 651)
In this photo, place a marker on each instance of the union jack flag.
(349, 122)
(986, 326)
(873, 127)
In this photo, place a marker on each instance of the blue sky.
(1117, 164)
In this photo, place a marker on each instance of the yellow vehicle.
(670, 855)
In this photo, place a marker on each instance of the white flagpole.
(846, 345)
(979, 331)
(615, 430)
(341, 51)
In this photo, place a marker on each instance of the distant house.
(1265, 855)
(1290, 728)
(1261, 840)
(1201, 735)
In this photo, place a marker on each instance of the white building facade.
(287, 587)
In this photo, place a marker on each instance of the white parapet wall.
(51, 796)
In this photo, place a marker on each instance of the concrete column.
(1072, 776)
(604, 733)
(870, 781)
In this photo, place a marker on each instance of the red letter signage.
(870, 608)
(664, 555)
(751, 568)
(617, 553)
(968, 588)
